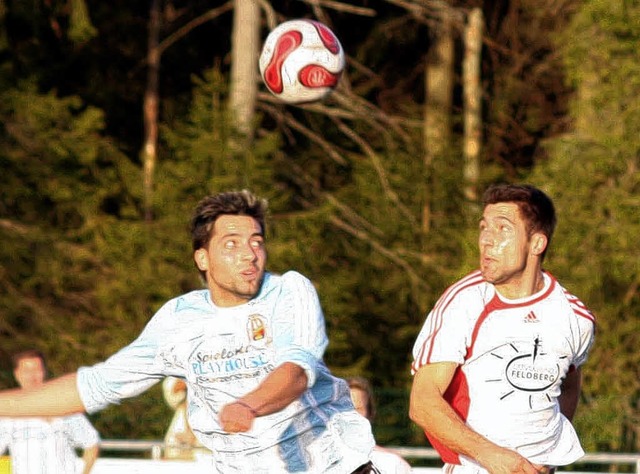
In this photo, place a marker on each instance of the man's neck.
(523, 287)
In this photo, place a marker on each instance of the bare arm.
(57, 397)
(431, 412)
(570, 393)
(90, 456)
(281, 387)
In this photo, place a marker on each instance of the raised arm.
(431, 412)
(281, 387)
(56, 397)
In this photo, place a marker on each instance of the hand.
(236, 417)
(506, 461)
(542, 469)
(179, 386)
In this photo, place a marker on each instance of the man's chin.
(252, 288)
(488, 276)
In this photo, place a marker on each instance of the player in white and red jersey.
(497, 362)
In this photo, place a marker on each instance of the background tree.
(472, 103)
(439, 78)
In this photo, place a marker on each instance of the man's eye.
(256, 244)
(229, 244)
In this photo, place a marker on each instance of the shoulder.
(290, 281)
(193, 301)
(573, 304)
(81, 430)
(290, 276)
(79, 421)
(79, 418)
(466, 289)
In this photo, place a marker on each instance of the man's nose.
(248, 252)
(486, 238)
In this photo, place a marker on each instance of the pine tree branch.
(186, 29)
(14, 227)
(416, 281)
(342, 7)
(431, 12)
(353, 228)
(291, 122)
(378, 166)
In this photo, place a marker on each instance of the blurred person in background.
(179, 440)
(385, 460)
(46, 445)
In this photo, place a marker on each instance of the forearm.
(436, 417)
(432, 412)
(281, 387)
(56, 397)
(89, 457)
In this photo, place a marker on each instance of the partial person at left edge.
(46, 445)
(249, 347)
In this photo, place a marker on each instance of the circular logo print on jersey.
(532, 374)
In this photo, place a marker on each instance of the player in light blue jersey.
(250, 349)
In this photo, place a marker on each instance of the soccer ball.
(301, 61)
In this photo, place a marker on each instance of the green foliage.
(203, 154)
(80, 27)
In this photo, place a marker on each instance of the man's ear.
(538, 244)
(201, 258)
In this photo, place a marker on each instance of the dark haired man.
(249, 347)
(497, 362)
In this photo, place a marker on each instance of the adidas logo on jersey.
(531, 318)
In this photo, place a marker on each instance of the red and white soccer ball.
(301, 61)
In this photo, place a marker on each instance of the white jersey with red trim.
(512, 356)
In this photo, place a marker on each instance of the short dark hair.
(360, 383)
(28, 354)
(235, 203)
(239, 203)
(536, 208)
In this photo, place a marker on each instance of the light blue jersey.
(224, 353)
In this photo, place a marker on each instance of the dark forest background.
(370, 190)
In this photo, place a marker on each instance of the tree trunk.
(150, 110)
(472, 104)
(437, 109)
(244, 60)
